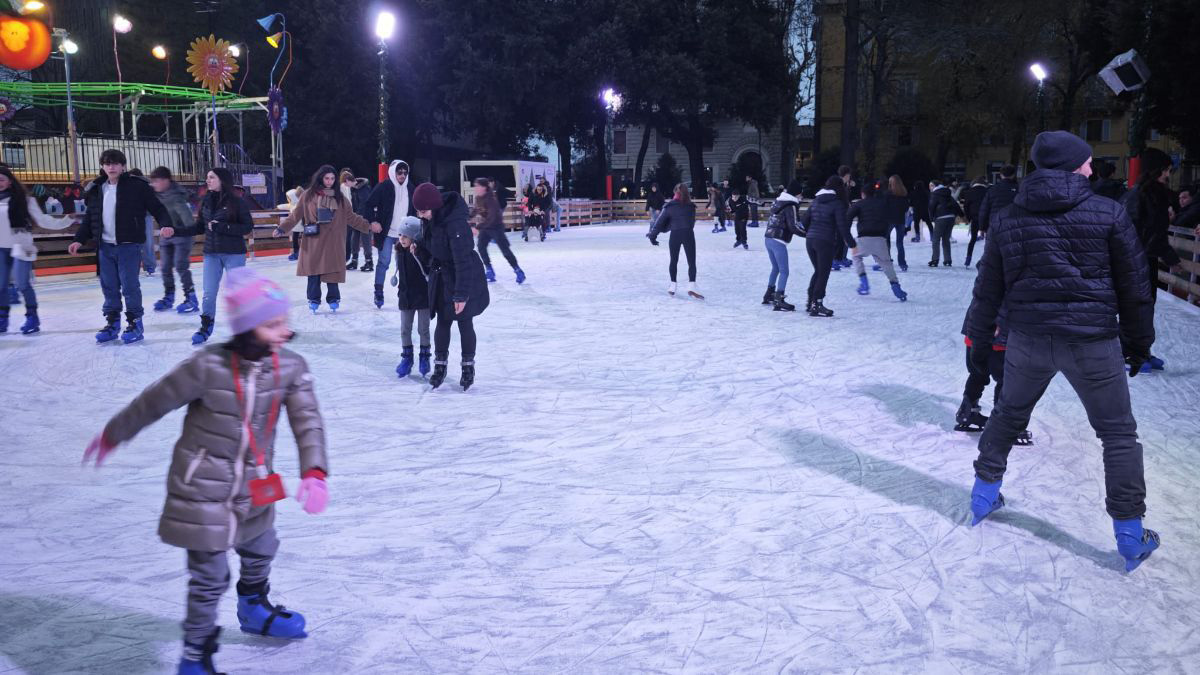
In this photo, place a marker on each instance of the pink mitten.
(313, 494)
(98, 448)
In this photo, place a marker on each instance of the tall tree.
(849, 140)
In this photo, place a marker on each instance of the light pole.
(385, 28)
(68, 47)
(1040, 73)
(120, 25)
(612, 105)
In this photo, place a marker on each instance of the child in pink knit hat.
(221, 486)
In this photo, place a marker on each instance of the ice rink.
(636, 483)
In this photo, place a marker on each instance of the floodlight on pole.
(1038, 71)
(235, 51)
(612, 100)
(159, 52)
(69, 46)
(32, 6)
(385, 25)
(121, 24)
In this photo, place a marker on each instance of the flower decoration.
(276, 112)
(7, 109)
(211, 63)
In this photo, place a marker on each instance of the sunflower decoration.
(211, 63)
(7, 109)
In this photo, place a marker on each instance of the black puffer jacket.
(232, 223)
(676, 216)
(783, 212)
(135, 198)
(998, 196)
(1147, 207)
(1063, 261)
(942, 204)
(412, 289)
(874, 214)
(1109, 187)
(447, 252)
(826, 219)
(655, 200)
(973, 200)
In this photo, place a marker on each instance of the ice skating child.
(739, 208)
(458, 290)
(324, 214)
(985, 362)
(115, 209)
(18, 213)
(176, 251)
(716, 207)
(679, 218)
(221, 487)
(412, 290)
(875, 213)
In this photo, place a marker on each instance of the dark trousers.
(841, 250)
(984, 364)
(685, 239)
(295, 243)
(942, 228)
(739, 230)
(754, 213)
(820, 253)
(356, 240)
(486, 237)
(1096, 371)
(917, 227)
(899, 228)
(118, 265)
(314, 290)
(441, 333)
(971, 243)
(177, 257)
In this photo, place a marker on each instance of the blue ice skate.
(406, 363)
(167, 302)
(259, 617)
(188, 305)
(985, 498)
(111, 330)
(899, 292)
(1157, 363)
(864, 288)
(133, 332)
(490, 274)
(334, 305)
(423, 364)
(1134, 543)
(204, 665)
(520, 275)
(313, 306)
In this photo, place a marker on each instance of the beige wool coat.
(208, 502)
(324, 254)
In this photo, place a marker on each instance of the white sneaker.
(692, 292)
(671, 289)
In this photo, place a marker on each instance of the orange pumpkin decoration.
(24, 43)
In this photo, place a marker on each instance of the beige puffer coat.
(208, 503)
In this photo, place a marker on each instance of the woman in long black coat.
(458, 290)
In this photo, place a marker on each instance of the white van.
(516, 177)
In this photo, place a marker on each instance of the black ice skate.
(969, 417)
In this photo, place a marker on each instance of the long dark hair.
(225, 177)
(683, 194)
(316, 186)
(1154, 162)
(18, 200)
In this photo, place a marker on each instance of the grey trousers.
(877, 247)
(942, 229)
(406, 326)
(210, 579)
(177, 257)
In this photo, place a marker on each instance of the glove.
(98, 448)
(313, 494)
(1135, 358)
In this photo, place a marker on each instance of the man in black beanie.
(1068, 269)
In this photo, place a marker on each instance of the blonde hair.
(896, 186)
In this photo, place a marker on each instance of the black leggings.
(295, 243)
(501, 239)
(821, 254)
(974, 238)
(441, 334)
(686, 239)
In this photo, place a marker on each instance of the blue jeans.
(385, 260)
(900, 232)
(215, 265)
(148, 249)
(119, 266)
(778, 253)
(20, 271)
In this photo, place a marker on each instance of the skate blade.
(971, 429)
(692, 294)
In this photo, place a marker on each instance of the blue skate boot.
(423, 364)
(198, 658)
(864, 288)
(406, 363)
(985, 498)
(259, 617)
(1134, 543)
(189, 304)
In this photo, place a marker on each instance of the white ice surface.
(637, 483)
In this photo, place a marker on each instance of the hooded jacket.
(784, 209)
(973, 200)
(655, 200)
(875, 215)
(942, 204)
(1063, 261)
(825, 220)
(381, 207)
(998, 196)
(447, 252)
(175, 199)
(676, 217)
(1148, 209)
(135, 198)
(208, 503)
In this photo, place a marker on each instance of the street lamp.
(32, 6)
(612, 105)
(1040, 74)
(385, 28)
(68, 48)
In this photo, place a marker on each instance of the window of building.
(1096, 131)
(906, 136)
(1154, 135)
(661, 144)
(619, 137)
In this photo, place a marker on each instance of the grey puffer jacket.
(208, 503)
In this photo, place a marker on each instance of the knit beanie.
(252, 299)
(1061, 150)
(427, 197)
(410, 227)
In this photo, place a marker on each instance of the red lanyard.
(259, 458)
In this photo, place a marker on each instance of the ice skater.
(1061, 320)
(826, 227)
(679, 218)
(945, 210)
(716, 207)
(412, 290)
(115, 217)
(985, 363)
(176, 251)
(19, 212)
(323, 216)
(387, 206)
(875, 212)
(781, 227)
(654, 205)
(487, 216)
(739, 209)
(356, 191)
(458, 290)
(999, 195)
(221, 485)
